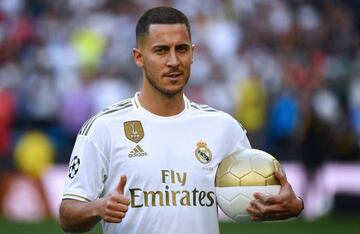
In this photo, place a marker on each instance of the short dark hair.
(160, 15)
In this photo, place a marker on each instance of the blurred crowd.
(288, 70)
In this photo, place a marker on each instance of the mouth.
(173, 76)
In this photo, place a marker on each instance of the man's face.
(165, 55)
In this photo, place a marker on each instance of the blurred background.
(288, 70)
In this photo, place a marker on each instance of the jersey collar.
(138, 106)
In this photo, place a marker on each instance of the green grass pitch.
(327, 225)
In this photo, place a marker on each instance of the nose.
(172, 59)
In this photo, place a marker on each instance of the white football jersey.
(170, 164)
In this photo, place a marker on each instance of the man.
(148, 164)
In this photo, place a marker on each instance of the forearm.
(77, 216)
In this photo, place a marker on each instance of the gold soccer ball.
(240, 175)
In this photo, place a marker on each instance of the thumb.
(281, 177)
(121, 185)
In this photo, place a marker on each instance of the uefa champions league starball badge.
(74, 167)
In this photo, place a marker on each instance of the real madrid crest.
(202, 153)
(134, 131)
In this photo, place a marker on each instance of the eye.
(182, 48)
(159, 50)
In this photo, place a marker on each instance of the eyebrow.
(167, 47)
(183, 46)
(160, 47)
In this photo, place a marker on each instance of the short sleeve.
(87, 171)
(239, 140)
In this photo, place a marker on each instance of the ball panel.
(232, 201)
(253, 179)
(241, 168)
(241, 217)
(272, 189)
(227, 180)
(225, 165)
(263, 165)
(225, 206)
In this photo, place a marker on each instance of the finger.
(267, 199)
(258, 206)
(253, 211)
(115, 214)
(281, 177)
(121, 185)
(256, 218)
(256, 215)
(110, 219)
(260, 196)
(120, 199)
(118, 207)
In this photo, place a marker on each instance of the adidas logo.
(137, 152)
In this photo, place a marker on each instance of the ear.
(138, 57)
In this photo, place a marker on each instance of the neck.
(160, 104)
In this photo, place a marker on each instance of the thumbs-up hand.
(115, 205)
